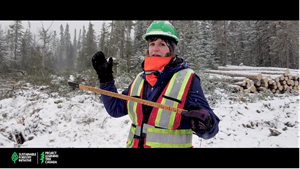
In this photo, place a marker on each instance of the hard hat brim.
(162, 34)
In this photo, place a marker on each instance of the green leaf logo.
(42, 158)
(14, 157)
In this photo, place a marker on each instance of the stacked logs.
(255, 80)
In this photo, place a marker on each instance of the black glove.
(102, 67)
(200, 120)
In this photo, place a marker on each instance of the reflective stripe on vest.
(130, 140)
(161, 138)
(167, 135)
(166, 138)
(135, 90)
(177, 87)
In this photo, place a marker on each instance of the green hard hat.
(163, 28)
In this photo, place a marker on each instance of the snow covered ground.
(45, 119)
(250, 124)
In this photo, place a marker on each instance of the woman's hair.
(171, 44)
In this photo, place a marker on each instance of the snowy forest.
(39, 109)
(204, 44)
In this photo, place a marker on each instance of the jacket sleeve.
(115, 107)
(196, 97)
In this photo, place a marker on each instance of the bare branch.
(49, 26)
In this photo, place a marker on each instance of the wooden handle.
(125, 97)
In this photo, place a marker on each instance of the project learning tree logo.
(14, 157)
(42, 157)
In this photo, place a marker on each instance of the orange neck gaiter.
(152, 64)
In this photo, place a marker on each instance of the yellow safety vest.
(161, 128)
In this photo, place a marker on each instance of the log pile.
(256, 79)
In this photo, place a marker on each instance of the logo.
(46, 157)
(42, 157)
(14, 157)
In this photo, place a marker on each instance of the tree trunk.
(252, 76)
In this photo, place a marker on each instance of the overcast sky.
(73, 24)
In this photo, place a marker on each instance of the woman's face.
(158, 48)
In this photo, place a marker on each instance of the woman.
(166, 79)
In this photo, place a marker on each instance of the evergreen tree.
(89, 47)
(204, 44)
(81, 54)
(263, 35)
(74, 48)
(26, 49)
(138, 47)
(112, 42)
(3, 52)
(15, 34)
(282, 43)
(241, 42)
(83, 38)
(192, 45)
(103, 40)
(79, 41)
(189, 45)
(62, 48)
(54, 48)
(140, 28)
(127, 52)
(69, 60)
(207, 46)
(221, 37)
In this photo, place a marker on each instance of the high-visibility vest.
(161, 128)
